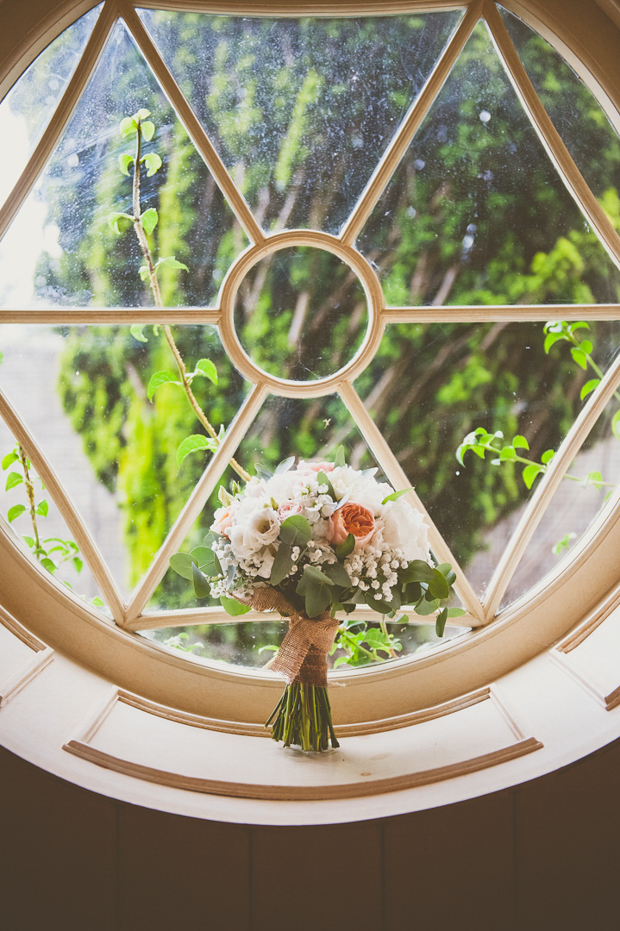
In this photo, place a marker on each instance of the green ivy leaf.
(120, 222)
(148, 130)
(128, 126)
(589, 387)
(529, 474)
(136, 332)
(13, 479)
(580, 357)
(547, 456)
(520, 442)
(171, 262)
(125, 161)
(15, 511)
(160, 378)
(43, 508)
(233, 607)
(9, 459)
(149, 220)
(152, 162)
(207, 367)
(193, 443)
(507, 454)
(396, 495)
(296, 531)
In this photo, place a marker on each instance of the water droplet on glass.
(484, 116)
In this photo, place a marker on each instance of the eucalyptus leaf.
(284, 466)
(282, 564)
(233, 607)
(201, 585)
(417, 571)
(344, 549)
(338, 574)
(340, 457)
(440, 623)
(183, 564)
(295, 531)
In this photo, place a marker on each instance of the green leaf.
(262, 471)
(128, 126)
(586, 346)
(338, 574)
(28, 540)
(125, 161)
(97, 602)
(171, 262)
(344, 549)
(9, 459)
(192, 443)
(149, 220)
(547, 456)
(396, 495)
(507, 454)
(529, 474)
(49, 565)
(317, 598)
(206, 367)
(295, 531)
(282, 564)
(323, 479)
(440, 623)
(160, 378)
(284, 466)
(580, 357)
(207, 560)
(136, 331)
(340, 457)
(417, 571)
(182, 564)
(43, 508)
(15, 511)
(551, 339)
(142, 114)
(120, 222)
(438, 587)
(152, 162)
(424, 608)
(596, 479)
(148, 130)
(78, 565)
(615, 424)
(233, 607)
(564, 543)
(589, 387)
(456, 612)
(13, 479)
(201, 585)
(520, 442)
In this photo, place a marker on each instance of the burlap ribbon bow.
(302, 655)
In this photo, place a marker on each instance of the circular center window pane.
(301, 314)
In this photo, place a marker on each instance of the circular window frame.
(233, 695)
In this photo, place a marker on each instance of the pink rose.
(318, 466)
(288, 509)
(352, 518)
(222, 522)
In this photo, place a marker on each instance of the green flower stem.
(383, 625)
(542, 466)
(154, 282)
(31, 500)
(303, 718)
(346, 636)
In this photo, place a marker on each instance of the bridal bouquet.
(309, 542)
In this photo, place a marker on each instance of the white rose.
(405, 527)
(266, 558)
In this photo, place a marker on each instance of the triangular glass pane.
(300, 110)
(476, 213)
(310, 429)
(115, 451)
(28, 107)
(578, 117)
(573, 507)
(56, 550)
(62, 249)
(430, 385)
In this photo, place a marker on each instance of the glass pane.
(24, 351)
(475, 213)
(594, 474)
(300, 110)
(301, 314)
(27, 108)
(581, 121)
(430, 385)
(62, 248)
(311, 429)
(114, 450)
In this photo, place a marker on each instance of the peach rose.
(352, 518)
(317, 466)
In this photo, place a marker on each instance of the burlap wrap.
(302, 655)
